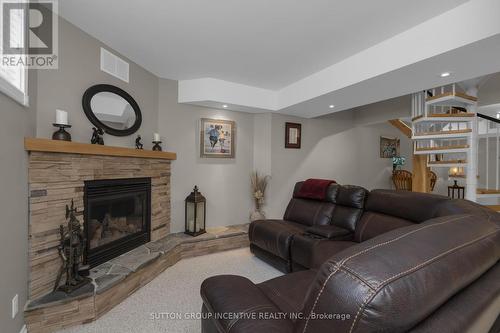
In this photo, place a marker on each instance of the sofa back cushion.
(398, 279)
(311, 212)
(373, 224)
(349, 205)
(411, 206)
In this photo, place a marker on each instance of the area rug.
(171, 302)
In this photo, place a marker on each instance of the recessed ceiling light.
(331, 106)
(445, 74)
(224, 106)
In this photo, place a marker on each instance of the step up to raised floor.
(487, 191)
(496, 208)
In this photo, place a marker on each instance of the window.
(14, 78)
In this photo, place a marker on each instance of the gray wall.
(339, 147)
(327, 152)
(16, 123)
(224, 182)
(79, 68)
(489, 92)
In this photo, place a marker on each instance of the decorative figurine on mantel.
(138, 143)
(62, 123)
(71, 250)
(156, 142)
(97, 138)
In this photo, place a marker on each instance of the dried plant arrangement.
(259, 185)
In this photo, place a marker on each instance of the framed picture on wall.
(389, 147)
(293, 133)
(217, 138)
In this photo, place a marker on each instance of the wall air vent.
(114, 65)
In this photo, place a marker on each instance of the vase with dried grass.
(259, 184)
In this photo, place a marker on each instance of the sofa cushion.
(384, 283)
(351, 196)
(311, 252)
(412, 206)
(228, 297)
(350, 202)
(289, 292)
(331, 192)
(459, 315)
(309, 212)
(274, 236)
(373, 224)
(316, 189)
(328, 231)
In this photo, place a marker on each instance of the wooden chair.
(433, 178)
(402, 180)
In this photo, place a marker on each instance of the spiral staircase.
(449, 132)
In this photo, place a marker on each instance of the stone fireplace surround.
(57, 178)
(57, 172)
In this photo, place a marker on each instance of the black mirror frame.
(87, 108)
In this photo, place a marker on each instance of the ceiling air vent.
(114, 65)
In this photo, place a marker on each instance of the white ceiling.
(298, 56)
(263, 43)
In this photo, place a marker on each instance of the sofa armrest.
(236, 304)
(328, 231)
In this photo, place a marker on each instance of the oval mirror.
(112, 109)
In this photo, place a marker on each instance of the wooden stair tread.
(487, 191)
(456, 94)
(445, 132)
(448, 162)
(443, 148)
(399, 124)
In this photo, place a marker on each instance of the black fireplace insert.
(117, 217)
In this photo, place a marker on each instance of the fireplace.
(117, 217)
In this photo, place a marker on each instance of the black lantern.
(195, 213)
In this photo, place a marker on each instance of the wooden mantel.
(55, 146)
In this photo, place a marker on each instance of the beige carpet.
(176, 292)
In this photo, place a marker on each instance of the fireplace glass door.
(117, 217)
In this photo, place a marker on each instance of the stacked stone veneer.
(56, 178)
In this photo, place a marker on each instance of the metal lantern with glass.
(195, 213)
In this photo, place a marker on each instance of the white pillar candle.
(156, 137)
(61, 117)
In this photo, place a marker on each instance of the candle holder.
(61, 134)
(156, 146)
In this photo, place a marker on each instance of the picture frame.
(293, 135)
(389, 147)
(217, 138)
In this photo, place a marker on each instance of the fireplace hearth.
(117, 217)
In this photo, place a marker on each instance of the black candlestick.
(156, 146)
(61, 134)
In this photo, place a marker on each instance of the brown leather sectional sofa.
(367, 262)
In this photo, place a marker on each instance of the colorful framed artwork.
(293, 134)
(217, 138)
(389, 147)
